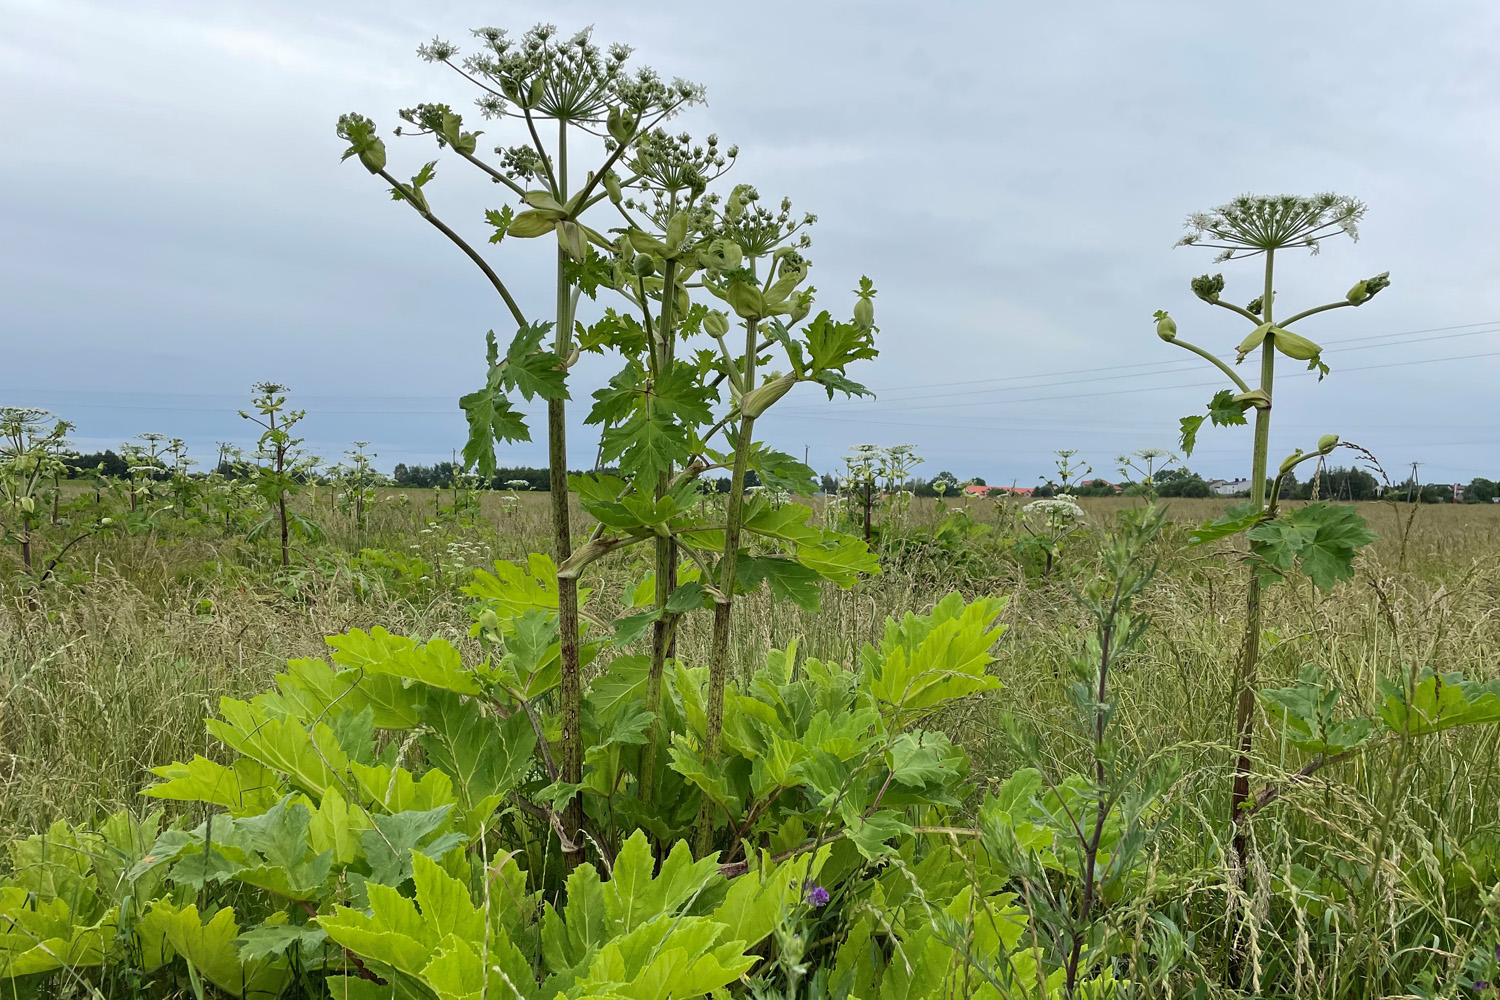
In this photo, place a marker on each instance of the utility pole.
(1411, 484)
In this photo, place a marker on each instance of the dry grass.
(114, 675)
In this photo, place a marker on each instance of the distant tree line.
(1331, 484)
(441, 474)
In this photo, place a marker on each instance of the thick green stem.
(1246, 677)
(661, 355)
(718, 657)
(570, 690)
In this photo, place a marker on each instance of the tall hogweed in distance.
(1320, 540)
(282, 468)
(661, 414)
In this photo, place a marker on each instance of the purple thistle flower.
(817, 895)
(1480, 985)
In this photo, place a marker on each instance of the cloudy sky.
(177, 224)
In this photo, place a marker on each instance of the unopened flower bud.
(1294, 345)
(644, 265)
(864, 312)
(677, 230)
(1166, 326)
(758, 400)
(372, 157)
(716, 323)
(1256, 338)
(620, 125)
(746, 300)
(1365, 290)
(1208, 288)
(1327, 443)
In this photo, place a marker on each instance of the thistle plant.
(1320, 540)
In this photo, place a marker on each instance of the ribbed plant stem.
(718, 657)
(570, 690)
(1247, 676)
(662, 355)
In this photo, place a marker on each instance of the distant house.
(1229, 487)
(1100, 482)
(1015, 491)
(975, 490)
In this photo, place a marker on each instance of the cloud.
(1012, 177)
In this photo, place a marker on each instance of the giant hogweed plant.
(282, 468)
(1321, 539)
(662, 415)
(558, 96)
(377, 819)
(32, 448)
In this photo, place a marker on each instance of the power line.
(1161, 388)
(1106, 378)
(1146, 364)
(822, 410)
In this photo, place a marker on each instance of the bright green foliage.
(813, 745)
(1320, 539)
(1235, 519)
(1438, 701)
(1305, 711)
(527, 368)
(927, 661)
(633, 935)
(68, 887)
(648, 421)
(952, 931)
(210, 950)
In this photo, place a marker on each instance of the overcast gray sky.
(177, 224)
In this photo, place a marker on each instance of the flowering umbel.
(1253, 224)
